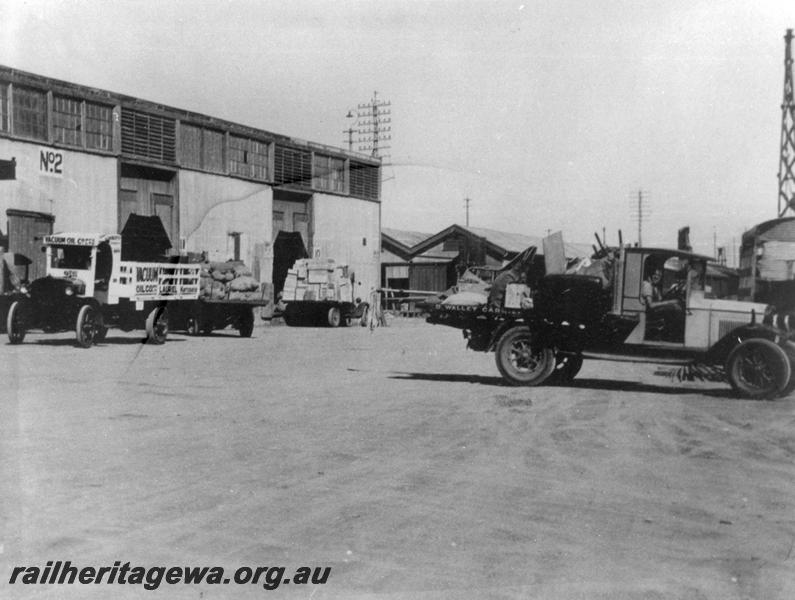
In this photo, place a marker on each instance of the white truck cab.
(694, 317)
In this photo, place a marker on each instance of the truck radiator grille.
(724, 327)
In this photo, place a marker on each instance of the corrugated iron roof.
(509, 242)
(407, 238)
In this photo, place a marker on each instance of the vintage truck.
(577, 316)
(89, 288)
(228, 297)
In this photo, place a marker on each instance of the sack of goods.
(230, 280)
(317, 280)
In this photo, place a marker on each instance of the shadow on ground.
(108, 341)
(610, 385)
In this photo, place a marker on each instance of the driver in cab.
(664, 313)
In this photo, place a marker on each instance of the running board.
(638, 359)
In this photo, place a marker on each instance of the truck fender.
(720, 351)
(498, 333)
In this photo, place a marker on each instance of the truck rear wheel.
(86, 328)
(246, 323)
(520, 360)
(15, 323)
(566, 368)
(157, 326)
(334, 317)
(758, 368)
(790, 387)
(193, 326)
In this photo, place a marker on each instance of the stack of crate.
(315, 279)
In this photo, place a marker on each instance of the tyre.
(157, 326)
(86, 328)
(15, 323)
(246, 324)
(192, 326)
(790, 387)
(520, 360)
(758, 368)
(101, 334)
(566, 368)
(333, 317)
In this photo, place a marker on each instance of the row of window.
(85, 124)
(74, 122)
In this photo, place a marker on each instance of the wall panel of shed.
(82, 197)
(213, 206)
(429, 278)
(347, 230)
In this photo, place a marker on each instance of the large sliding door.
(26, 231)
(148, 191)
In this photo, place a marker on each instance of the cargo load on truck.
(228, 295)
(319, 291)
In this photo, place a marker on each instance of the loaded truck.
(89, 288)
(600, 313)
(228, 296)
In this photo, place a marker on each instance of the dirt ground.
(395, 457)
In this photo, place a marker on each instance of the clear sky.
(548, 115)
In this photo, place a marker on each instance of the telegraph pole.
(351, 130)
(639, 212)
(786, 168)
(373, 120)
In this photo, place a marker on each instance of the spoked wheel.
(157, 326)
(86, 328)
(334, 317)
(520, 360)
(246, 324)
(15, 323)
(758, 368)
(566, 368)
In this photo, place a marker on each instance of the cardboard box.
(514, 292)
(316, 275)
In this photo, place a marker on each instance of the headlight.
(23, 289)
(69, 291)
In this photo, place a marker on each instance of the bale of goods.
(465, 299)
(230, 280)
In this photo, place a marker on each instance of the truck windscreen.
(70, 257)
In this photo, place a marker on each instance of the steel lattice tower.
(786, 168)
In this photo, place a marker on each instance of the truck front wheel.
(157, 326)
(758, 368)
(86, 329)
(15, 323)
(520, 360)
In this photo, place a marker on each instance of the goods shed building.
(432, 262)
(78, 158)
